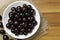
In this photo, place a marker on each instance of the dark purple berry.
(29, 30)
(11, 15)
(18, 9)
(12, 30)
(13, 8)
(16, 16)
(14, 19)
(25, 33)
(27, 14)
(21, 33)
(24, 10)
(8, 25)
(14, 12)
(19, 27)
(16, 34)
(5, 37)
(34, 22)
(23, 24)
(29, 7)
(24, 19)
(24, 5)
(16, 22)
(2, 32)
(30, 18)
(22, 30)
(21, 15)
(19, 19)
(10, 21)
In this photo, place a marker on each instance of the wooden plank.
(52, 18)
(47, 5)
(53, 33)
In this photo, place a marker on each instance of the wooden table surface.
(50, 9)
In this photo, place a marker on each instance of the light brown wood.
(50, 9)
(47, 5)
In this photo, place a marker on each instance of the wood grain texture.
(50, 9)
(47, 5)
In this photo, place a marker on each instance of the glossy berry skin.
(25, 33)
(10, 21)
(13, 8)
(16, 23)
(12, 27)
(21, 15)
(5, 37)
(16, 34)
(23, 24)
(30, 18)
(1, 25)
(34, 22)
(12, 30)
(8, 25)
(16, 16)
(27, 14)
(31, 12)
(2, 32)
(29, 7)
(14, 12)
(11, 15)
(19, 19)
(18, 9)
(24, 10)
(24, 5)
(29, 30)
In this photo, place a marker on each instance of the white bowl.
(6, 17)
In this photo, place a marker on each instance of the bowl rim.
(11, 5)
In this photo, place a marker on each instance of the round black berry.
(13, 8)
(2, 32)
(16, 16)
(16, 23)
(24, 5)
(8, 25)
(21, 15)
(10, 21)
(29, 7)
(24, 19)
(5, 37)
(18, 9)
(11, 15)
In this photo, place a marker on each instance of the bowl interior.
(6, 17)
